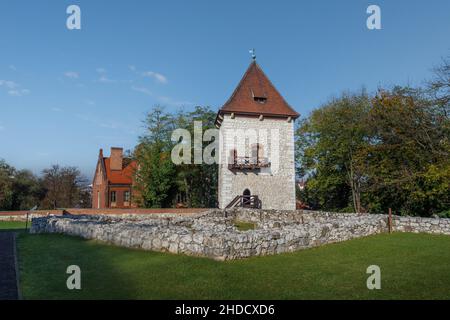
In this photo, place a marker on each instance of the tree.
(197, 181)
(27, 190)
(388, 151)
(64, 187)
(19, 189)
(329, 144)
(439, 87)
(6, 186)
(155, 176)
(409, 145)
(158, 180)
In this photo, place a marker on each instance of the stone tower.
(256, 157)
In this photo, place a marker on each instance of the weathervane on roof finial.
(253, 53)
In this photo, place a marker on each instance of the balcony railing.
(248, 201)
(239, 163)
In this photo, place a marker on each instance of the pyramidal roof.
(256, 95)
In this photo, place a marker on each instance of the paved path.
(8, 277)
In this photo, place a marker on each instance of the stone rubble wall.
(276, 137)
(422, 225)
(130, 212)
(213, 233)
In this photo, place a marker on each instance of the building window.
(126, 196)
(257, 152)
(261, 100)
(233, 156)
(113, 196)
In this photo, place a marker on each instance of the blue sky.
(66, 93)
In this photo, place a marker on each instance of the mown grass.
(413, 266)
(5, 225)
(244, 226)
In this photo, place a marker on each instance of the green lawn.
(12, 225)
(413, 267)
(244, 226)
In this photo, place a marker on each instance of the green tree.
(19, 189)
(409, 155)
(6, 186)
(158, 179)
(155, 176)
(329, 145)
(27, 189)
(197, 181)
(389, 151)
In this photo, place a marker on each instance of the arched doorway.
(246, 198)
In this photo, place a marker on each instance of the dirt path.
(8, 268)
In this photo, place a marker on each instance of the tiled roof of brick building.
(256, 95)
(124, 176)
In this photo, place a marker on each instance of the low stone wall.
(422, 225)
(214, 234)
(22, 215)
(131, 212)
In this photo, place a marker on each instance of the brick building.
(113, 181)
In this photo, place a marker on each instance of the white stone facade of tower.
(275, 184)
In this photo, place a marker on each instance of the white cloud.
(13, 89)
(18, 92)
(71, 75)
(100, 70)
(155, 75)
(160, 78)
(8, 84)
(142, 90)
(104, 79)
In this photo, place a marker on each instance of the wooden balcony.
(248, 163)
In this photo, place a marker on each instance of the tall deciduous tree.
(197, 181)
(439, 87)
(63, 186)
(391, 150)
(409, 146)
(329, 145)
(155, 175)
(19, 189)
(158, 180)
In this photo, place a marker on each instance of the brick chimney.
(116, 158)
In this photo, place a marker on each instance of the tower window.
(260, 99)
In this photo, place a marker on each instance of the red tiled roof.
(124, 176)
(255, 83)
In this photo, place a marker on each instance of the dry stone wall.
(214, 234)
(422, 225)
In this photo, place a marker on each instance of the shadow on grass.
(412, 267)
(108, 272)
